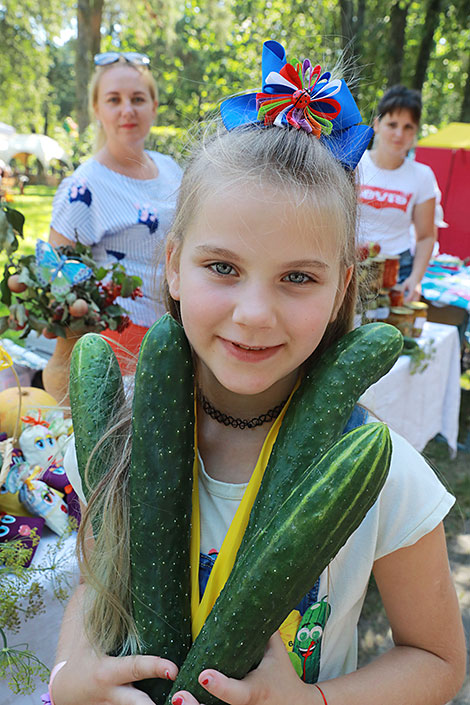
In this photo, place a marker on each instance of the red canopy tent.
(447, 152)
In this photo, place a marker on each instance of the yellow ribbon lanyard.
(226, 558)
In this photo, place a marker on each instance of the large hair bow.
(302, 96)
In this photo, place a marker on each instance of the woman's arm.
(56, 239)
(423, 221)
(425, 667)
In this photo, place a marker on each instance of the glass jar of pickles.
(382, 311)
(375, 266)
(391, 269)
(397, 297)
(420, 312)
(369, 308)
(402, 318)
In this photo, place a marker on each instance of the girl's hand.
(107, 680)
(274, 681)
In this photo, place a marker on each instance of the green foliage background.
(204, 51)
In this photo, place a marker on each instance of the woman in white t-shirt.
(396, 192)
(121, 201)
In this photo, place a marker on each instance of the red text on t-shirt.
(384, 198)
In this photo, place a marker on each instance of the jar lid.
(417, 305)
(394, 257)
(400, 310)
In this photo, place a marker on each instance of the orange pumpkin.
(32, 399)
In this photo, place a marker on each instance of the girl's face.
(124, 105)
(258, 280)
(396, 132)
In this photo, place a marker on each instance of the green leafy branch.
(27, 304)
(21, 599)
(420, 355)
(11, 228)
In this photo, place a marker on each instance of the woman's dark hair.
(401, 98)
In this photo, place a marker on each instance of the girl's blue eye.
(222, 268)
(297, 278)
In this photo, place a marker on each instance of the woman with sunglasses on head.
(397, 192)
(121, 201)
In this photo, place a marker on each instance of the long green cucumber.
(96, 391)
(160, 486)
(320, 409)
(285, 558)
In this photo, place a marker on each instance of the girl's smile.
(258, 280)
(251, 353)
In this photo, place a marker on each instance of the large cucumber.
(284, 559)
(160, 487)
(96, 391)
(320, 409)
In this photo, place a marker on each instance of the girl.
(260, 270)
(397, 192)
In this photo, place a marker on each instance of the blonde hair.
(277, 156)
(94, 86)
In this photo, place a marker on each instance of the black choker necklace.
(238, 423)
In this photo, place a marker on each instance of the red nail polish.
(178, 700)
(205, 681)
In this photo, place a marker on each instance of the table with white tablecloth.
(423, 404)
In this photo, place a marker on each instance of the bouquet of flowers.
(61, 288)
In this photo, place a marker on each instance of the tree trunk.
(89, 14)
(465, 109)
(430, 24)
(352, 25)
(398, 17)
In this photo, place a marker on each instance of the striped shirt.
(122, 219)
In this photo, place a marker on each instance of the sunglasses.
(110, 57)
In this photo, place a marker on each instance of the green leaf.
(127, 287)
(16, 219)
(100, 273)
(3, 324)
(5, 293)
(57, 329)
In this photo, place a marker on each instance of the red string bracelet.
(321, 693)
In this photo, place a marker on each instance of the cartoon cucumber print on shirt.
(305, 655)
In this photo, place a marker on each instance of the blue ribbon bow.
(303, 97)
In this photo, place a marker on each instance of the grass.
(36, 206)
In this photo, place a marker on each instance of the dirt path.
(374, 633)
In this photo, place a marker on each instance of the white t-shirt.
(387, 199)
(411, 504)
(122, 219)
